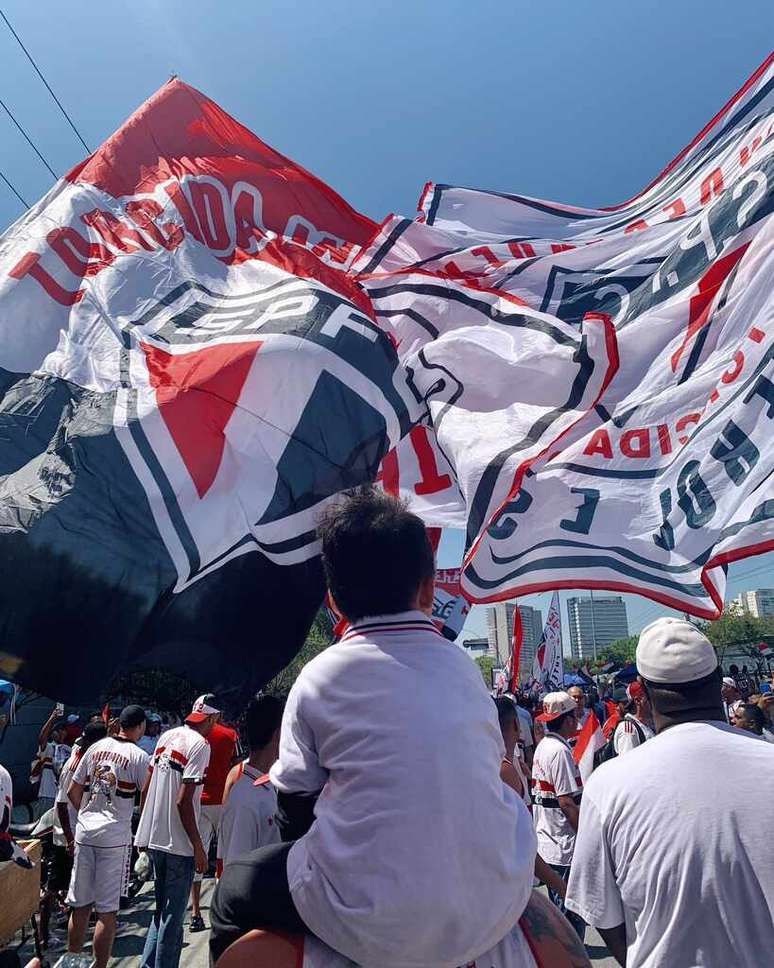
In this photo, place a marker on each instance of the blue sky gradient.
(577, 102)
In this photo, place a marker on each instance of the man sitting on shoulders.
(398, 853)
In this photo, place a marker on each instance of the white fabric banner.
(548, 664)
(660, 472)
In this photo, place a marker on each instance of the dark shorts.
(59, 869)
(253, 892)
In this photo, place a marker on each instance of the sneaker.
(197, 923)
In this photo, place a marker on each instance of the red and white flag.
(548, 666)
(517, 639)
(590, 739)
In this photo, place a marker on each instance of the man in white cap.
(674, 861)
(732, 698)
(169, 828)
(556, 792)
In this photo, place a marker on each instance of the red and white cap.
(202, 708)
(556, 704)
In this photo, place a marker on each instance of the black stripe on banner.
(527, 202)
(126, 794)
(177, 767)
(388, 243)
(613, 549)
(566, 564)
(418, 318)
(174, 294)
(154, 466)
(515, 319)
(433, 210)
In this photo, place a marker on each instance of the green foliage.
(620, 651)
(152, 689)
(739, 631)
(320, 637)
(486, 663)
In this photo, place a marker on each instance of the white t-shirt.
(115, 770)
(626, 737)
(554, 774)
(675, 842)
(181, 756)
(525, 727)
(512, 952)
(416, 858)
(61, 797)
(248, 818)
(52, 757)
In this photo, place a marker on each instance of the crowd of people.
(391, 812)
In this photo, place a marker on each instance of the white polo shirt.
(114, 770)
(248, 820)
(554, 774)
(416, 858)
(181, 756)
(675, 842)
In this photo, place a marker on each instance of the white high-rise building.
(499, 622)
(599, 620)
(758, 603)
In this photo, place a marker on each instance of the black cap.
(132, 716)
(620, 695)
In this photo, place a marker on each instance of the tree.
(738, 630)
(319, 638)
(620, 651)
(486, 663)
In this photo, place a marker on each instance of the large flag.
(187, 375)
(201, 345)
(548, 664)
(617, 431)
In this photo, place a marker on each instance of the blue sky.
(577, 102)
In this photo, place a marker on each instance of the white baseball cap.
(203, 707)
(556, 704)
(673, 650)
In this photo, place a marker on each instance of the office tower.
(600, 620)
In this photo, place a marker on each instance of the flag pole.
(593, 626)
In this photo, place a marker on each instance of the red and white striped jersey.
(181, 756)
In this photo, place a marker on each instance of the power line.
(17, 194)
(27, 138)
(31, 59)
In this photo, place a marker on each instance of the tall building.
(499, 622)
(758, 603)
(599, 619)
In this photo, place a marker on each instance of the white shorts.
(209, 821)
(100, 877)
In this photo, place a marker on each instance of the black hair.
(682, 699)
(131, 717)
(375, 553)
(92, 733)
(262, 717)
(755, 714)
(506, 711)
(554, 725)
